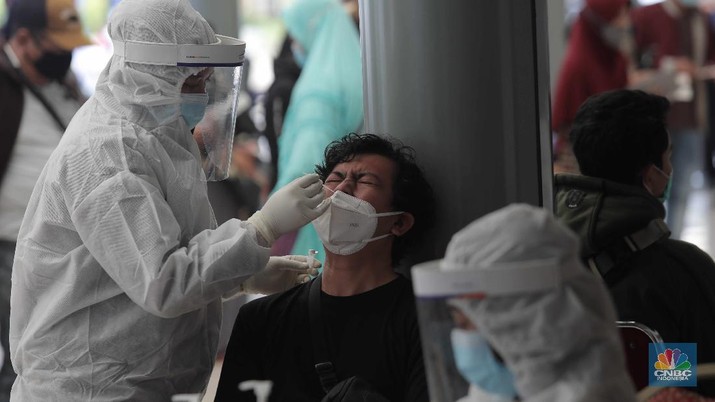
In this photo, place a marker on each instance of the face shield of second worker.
(208, 100)
(510, 312)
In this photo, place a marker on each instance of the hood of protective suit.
(561, 344)
(150, 94)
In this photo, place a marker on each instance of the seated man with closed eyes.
(380, 205)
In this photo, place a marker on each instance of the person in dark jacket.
(38, 97)
(623, 148)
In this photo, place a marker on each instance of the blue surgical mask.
(193, 107)
(163, 113)
(476, 362)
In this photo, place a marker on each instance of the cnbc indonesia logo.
(673, 366)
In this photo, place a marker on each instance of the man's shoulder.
(402, 297)
(405, 286)
(390, 299)
(670, 261)
(278, 302)
(400, 287)
(681, 267)
(688, 254)
(569, 181)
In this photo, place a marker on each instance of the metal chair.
(636, 337)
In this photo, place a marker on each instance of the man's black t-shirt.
(373, 335)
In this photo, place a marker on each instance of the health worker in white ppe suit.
(526, 320)
(120, 269)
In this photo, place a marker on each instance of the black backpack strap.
(604, 261)
(323, 366)
(40, 97)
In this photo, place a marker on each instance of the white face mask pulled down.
(348, 224)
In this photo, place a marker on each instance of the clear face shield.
(460, 363)
(221, 67)
(215, 132)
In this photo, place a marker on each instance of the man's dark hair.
(616, 134)
(411, 191)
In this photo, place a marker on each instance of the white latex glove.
(281, 273)
(290, 208)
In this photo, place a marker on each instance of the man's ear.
(403, 223)
(22, 36)
(647, 174)
(22, 40)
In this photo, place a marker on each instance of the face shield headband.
(439, 278)
(214, 133)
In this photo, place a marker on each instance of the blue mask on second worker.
(193, 107)
(478, 365)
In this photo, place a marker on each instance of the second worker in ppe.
(120, 267)
(528, 320)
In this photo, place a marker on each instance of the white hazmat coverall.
(120, 268)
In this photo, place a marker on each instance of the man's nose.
(346, 186)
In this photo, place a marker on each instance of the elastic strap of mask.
(647, 187)
(377, 238)
(667, 176)
(393, 213)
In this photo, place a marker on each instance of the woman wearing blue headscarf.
(326, 103)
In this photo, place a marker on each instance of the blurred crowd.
(666, 48)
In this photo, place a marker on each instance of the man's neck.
(349, 275)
